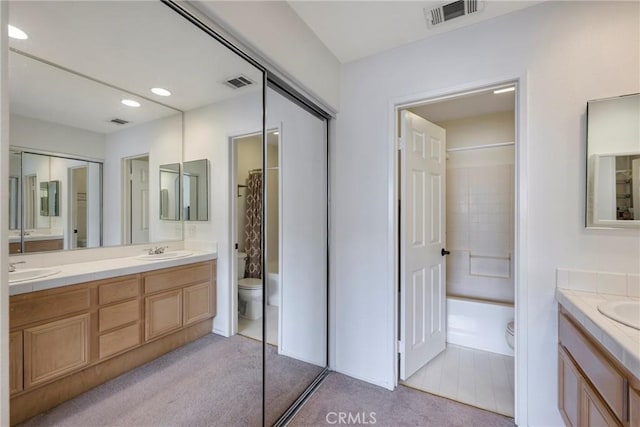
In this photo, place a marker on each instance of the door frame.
(520, 221)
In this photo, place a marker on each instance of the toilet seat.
(250, 283)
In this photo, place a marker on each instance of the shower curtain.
(253, 225)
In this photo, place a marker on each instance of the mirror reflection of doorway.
(78, 208)
(31, 201)
(136, 200)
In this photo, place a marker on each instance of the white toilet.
(509, 333)
(249, 292)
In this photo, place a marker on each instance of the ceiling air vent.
(238, 82)
(449, 11)
(119, 121)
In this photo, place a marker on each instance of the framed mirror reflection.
(613, 162)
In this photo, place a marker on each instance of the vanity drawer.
(605, 378)
(118, 291)
(176, 277)
(32, 308)
(118, 315)
(119, 340)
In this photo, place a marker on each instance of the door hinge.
(401, 144)
(399, 347)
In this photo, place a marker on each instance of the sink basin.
(164, 256)
(625, 312)
(31, 274)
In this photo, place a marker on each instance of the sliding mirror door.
(141, 88)
(295, 251)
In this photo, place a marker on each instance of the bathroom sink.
(31, 274)
(164, 256)
(625, 312)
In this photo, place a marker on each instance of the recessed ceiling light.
(505, 90)
(160, 91)
(130, 103)
(17, 33)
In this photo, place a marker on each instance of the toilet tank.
(241, 264)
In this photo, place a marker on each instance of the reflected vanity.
(613, 162)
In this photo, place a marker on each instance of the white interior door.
(139, 201)
(422, 238)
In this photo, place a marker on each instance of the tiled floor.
(475, 377)
(253, 328)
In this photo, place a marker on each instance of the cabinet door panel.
(634, 407)
(197, 303)
(594, 410)
(569, 385)
(163, 313)
(55, 348)
(15, 362)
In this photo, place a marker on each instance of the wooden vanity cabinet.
(66, 340)
(593, 388)
(177, 297)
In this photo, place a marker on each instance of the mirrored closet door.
(295, 250)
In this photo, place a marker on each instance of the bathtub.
(479, 324)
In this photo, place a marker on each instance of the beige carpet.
(213, 381)
(404, 407)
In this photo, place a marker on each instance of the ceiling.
(355, 29)
(461, 107)
(124, 44)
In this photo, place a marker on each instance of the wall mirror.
(195, 193)
(170, 192)
(613, 162)
(83, 120)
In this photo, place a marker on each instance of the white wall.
(55, 138)
(162, 141)
(275, 31)
(207, 133)
(566, 55)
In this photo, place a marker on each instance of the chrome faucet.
(157, 250)
(12, 265)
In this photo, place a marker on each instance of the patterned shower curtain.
(253, 225)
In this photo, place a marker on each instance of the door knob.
(444, 252)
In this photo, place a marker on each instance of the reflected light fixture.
(130, 103)
(276, 133)
(160, 91)
(17, 33)
(505, 90)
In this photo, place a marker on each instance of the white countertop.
(35, 236)
(623, 342)
(71, 274)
